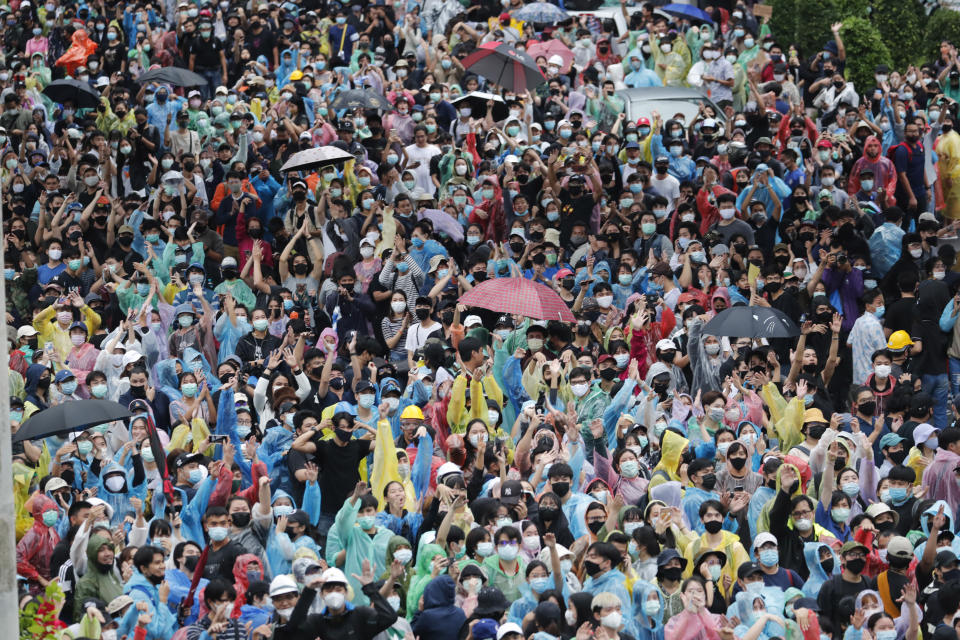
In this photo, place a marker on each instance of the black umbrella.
(361, 99)
(81, 94)
(506, 67)
(751, 322)
(478, 101)
(72, 416)
(176, 76)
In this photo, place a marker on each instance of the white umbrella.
(316, 157)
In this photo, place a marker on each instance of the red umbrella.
(521, 296)
(550, 48)
(503, 65)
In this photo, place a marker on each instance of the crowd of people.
(327, 442)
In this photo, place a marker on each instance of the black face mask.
(422, 314)
(713, 527)
(560, 488)
(138, 392)
(568, 285)
(897, 562)
(668, 356)
(190, 563)
(230, 274)
(827, 565)
(299, 196)
(300, 269)
(709, 481)
(811, 368)
(517, 247)
(255, 232)
(447, 317)
(583, 330)
(660, 387)
(337, 383)
(343, 434)
(593, 568)
(155, 580)
(773, 287)
(868, 408)
(816, 431)
(549, 513)
(897, 457)
(856, 565)
(479, 276)
(608, 374)
(738, 463)
(595, 527)
(771, 483)
(687, 456)
(839, 463)
(225, 378)
(673, 574)
(240, 519)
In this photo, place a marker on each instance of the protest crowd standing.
(416, 312)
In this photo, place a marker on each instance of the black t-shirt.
(574, 211)
(340, 471)
(900, 315)
(220, 562)
(207, 53)
(261, 44)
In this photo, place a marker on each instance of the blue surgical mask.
(195, 476)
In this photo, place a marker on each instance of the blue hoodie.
(120, 502)
(280, 548)
(928, 514)
(163, 624)
(647, 627)
(811, 553)
(440, 619)
(613, 581)
(742, 607)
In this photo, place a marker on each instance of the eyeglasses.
(802, 514)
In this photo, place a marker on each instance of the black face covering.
(897, 457)
(422, 314)
(856, 565)
(672, 574)
(668, 356)
(839, 463)
(561, 488)
(337, 383)
(138, 392)
(709, 481)
(816, 431)
(190, 563)
(897, 562)
(240, 519)
(592, 568)
(811, 368)
(713, 527)
(827, 565)
(155, 580)
(868, 408)
(549, 513)
(687, 456)
(595, 526)
(608, 374)
(738, 463)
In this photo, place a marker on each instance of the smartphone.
(217, 439)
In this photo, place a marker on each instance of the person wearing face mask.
(735, 476)
(54, 323)
(339, 618)
(850, 582)
(101, 580)
(36, 546)
(790, 518)
(703, 480)
(65, 389)
(219, 596)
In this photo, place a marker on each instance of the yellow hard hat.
(899, 340)
(296, 75)
(412, 412)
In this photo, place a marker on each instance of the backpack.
(892, 151)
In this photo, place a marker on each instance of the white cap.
(764, 538)
(709, 122)
(26, 331)
(666, 344)
(448, 468)
(56, 483)
(512, 158)
(333, 576)
(281, 585)
(130, 357)
(229, 261)
(555, 59)
(107, 509)
(510, 627)
(923, 432)
(194, 93)
(471, 321)
(102, 81)
(172, 176)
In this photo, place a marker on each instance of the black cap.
(186, 458)
(748, 569)
(364, 385)
(945, 557)
(510, 492)
(345, 124)
(806, 603)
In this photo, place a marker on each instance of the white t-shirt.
(669, 188)
(417, 335)
(422, 155)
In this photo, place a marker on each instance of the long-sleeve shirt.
(50, 330)
(849, 286)
(866, 337)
